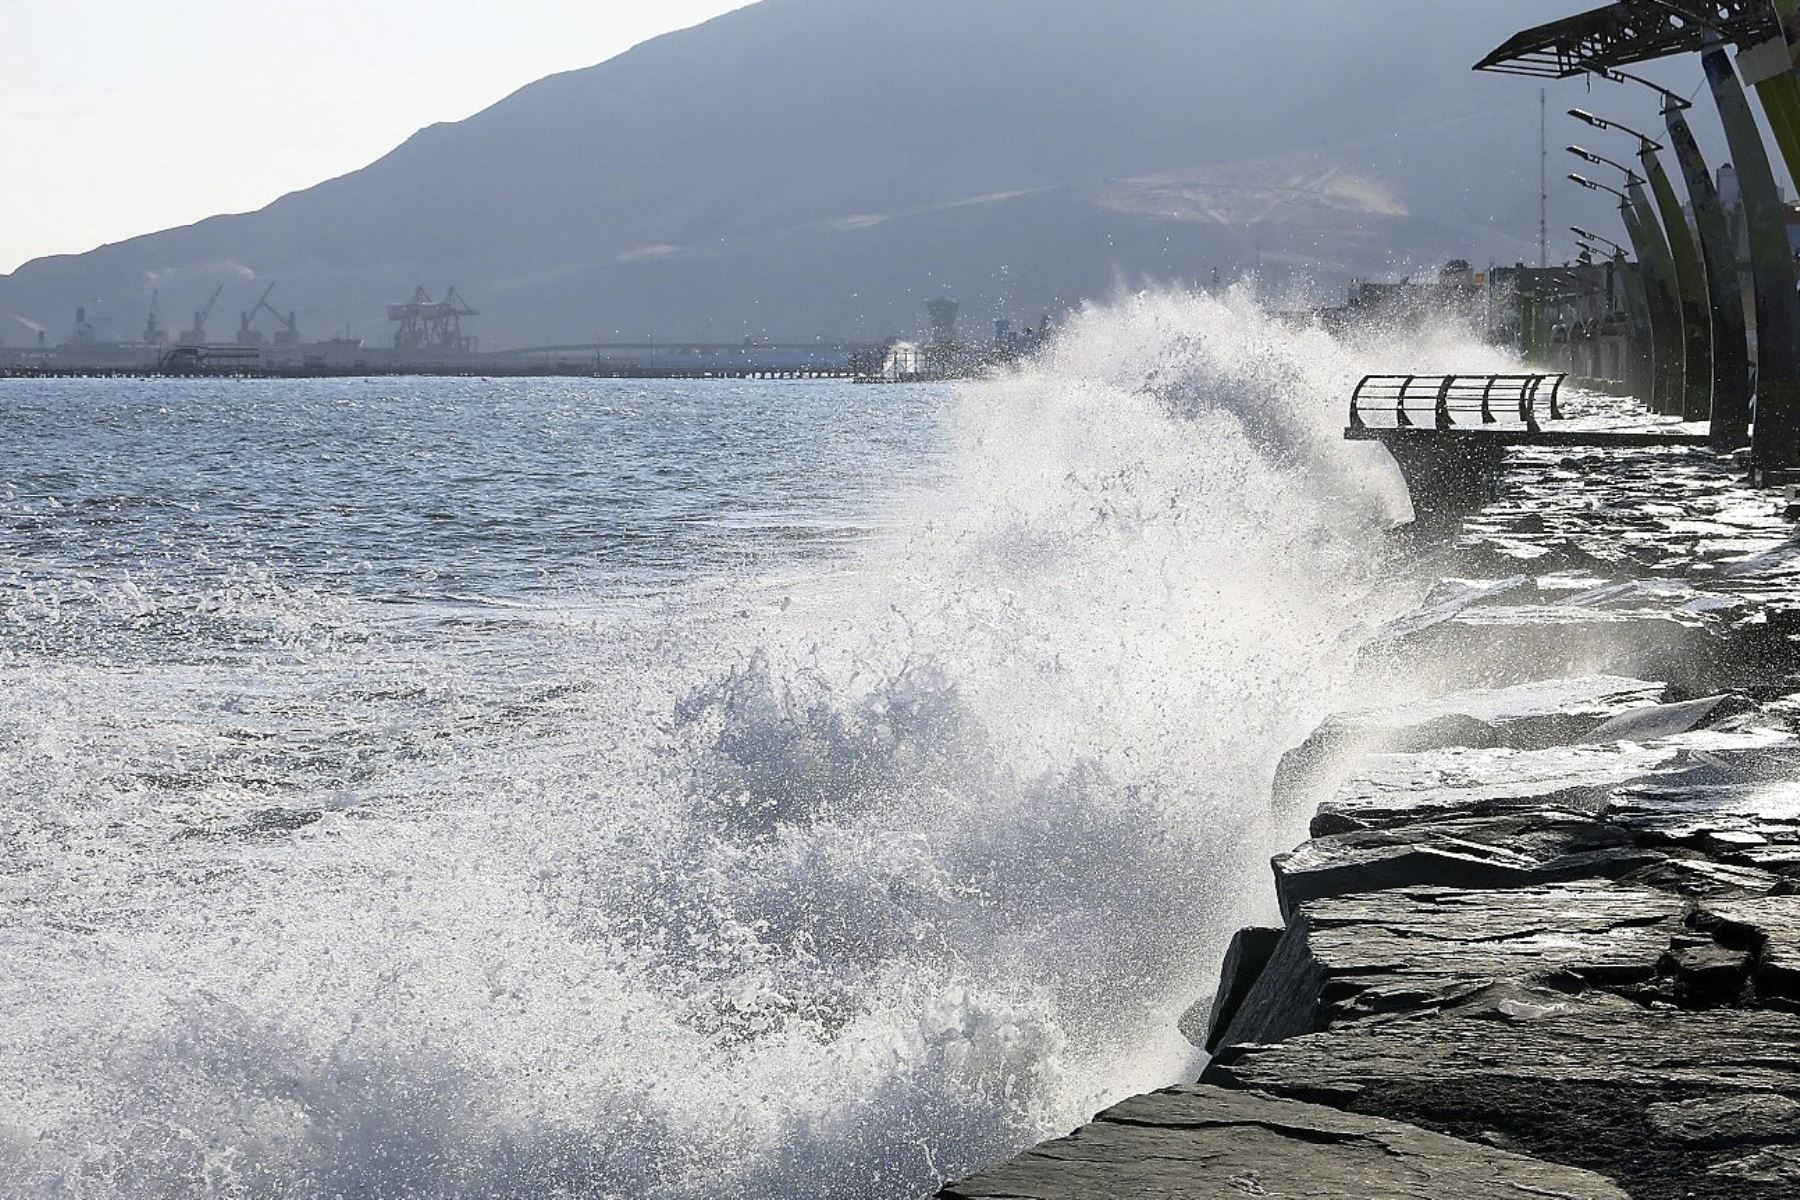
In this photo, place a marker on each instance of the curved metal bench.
(1451, 395)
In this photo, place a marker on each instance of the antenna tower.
(1543, 180)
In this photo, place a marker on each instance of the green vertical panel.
(1769, 68)
(1730, 410)
(1775, 437)
(1659, 296)
(1690, 287)
(1665, 298)
(1780, 98)
(1534, 326)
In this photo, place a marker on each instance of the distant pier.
(349, 360)
(447, 370)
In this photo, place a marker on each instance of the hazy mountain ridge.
(809, 167)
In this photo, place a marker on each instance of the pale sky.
(120, 117)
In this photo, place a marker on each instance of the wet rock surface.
(1206, 1142)
(1206, 1023)
(1540, 713)
(1665, 1102)
(1512, 850)
(1395, 790)
(1552, 907)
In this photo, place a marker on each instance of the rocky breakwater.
(1544, 938)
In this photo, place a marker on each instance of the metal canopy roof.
(1630, 31)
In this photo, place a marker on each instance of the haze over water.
(581, 788)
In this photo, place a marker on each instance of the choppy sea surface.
(462, 788)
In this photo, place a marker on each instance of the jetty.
(645, 361)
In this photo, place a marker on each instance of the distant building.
(943, 314)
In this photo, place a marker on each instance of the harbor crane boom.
(289, 334)
(201, 317)
(197, 335)
(246, 335)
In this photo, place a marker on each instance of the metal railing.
(1447, 396)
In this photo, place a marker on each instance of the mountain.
(822, 167)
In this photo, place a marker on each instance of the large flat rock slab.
(1704, 630)
(1532, 715)
(1674, 1105)
(1751, 820)
(1205, 1143)
(1513, 850)
(1390, 790)
(1410, 950)
(1492, 645)
(1658, 721)
(1519, 628)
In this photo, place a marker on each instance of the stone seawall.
(1544, 940)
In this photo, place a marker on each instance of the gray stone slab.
(1658, 721)
(1686, 601)
(1206, 1022)
(1547, 712)
(1400, 789)
(1492, 645)
(1674, 1105)
(1514, 850)
(1577, 699)
(1205, 1143)
(1412, 950)
(1781, 561)
(1752, 822)
(1768, 928)
(1704, 878)
(1662, 595)
(1447, 601)
(1767, 1170)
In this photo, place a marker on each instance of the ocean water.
(460, 788)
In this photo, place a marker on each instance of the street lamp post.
(1662, 296)
(1730, 413)
(1596, 242)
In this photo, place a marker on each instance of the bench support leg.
(1447, 478)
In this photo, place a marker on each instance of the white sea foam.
(832, 885)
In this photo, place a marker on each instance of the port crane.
(197, 335)
(246, 335)
(154, 333)
(429, 325)
(289, 333)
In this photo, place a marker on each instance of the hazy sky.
(120, 117)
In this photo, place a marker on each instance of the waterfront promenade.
(1543, 937)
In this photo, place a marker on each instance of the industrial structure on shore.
(429, 338)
